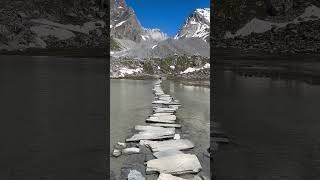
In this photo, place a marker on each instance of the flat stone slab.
(131, 150)
(160, 121)
(165, 110)
(167, 118)
(170, 152)
(166, 125)
(151, 128)
(159, 102)
(162, 114)
(164, 176)
(177, 164)
(179, 144)
(152, 133)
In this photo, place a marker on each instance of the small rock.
(135, 175)
(121, 145)
(116, 153)
(177, 136)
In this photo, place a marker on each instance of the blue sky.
(167, 15)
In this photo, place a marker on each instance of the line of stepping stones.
(165, 144)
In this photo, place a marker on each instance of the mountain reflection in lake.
(274, 126)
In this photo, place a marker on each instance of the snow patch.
(126, 71)
(205, 13)
(154, 46)
(190, 69)
(120, 23)
(172, 67)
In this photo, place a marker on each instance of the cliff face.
(123, 22)
(52, 24)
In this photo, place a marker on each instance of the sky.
(166, 15)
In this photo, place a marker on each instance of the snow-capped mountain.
(125, 25)
(196, 25)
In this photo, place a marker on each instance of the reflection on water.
(274, 126)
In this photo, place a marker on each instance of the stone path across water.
(162, 151)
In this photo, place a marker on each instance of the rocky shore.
(194, 68)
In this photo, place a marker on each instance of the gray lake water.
(274, 126)
(131, 104)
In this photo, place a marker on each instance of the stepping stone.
(150, 128)
(165, 125)
(166, 118)
(179, 144)
(161, 114)
(160, 121)
(166, 98)
(177, 164)
(164, 176)
(167, 153)
(159, 102)
(165, 110)
(131, 150)
(177, 136)
(152, 133)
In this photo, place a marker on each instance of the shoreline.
(60, 52)
(186, 82)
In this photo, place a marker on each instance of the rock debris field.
(156, 150)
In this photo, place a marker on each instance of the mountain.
(123, 22)
(125, 25)
(197, 25)
(169, 47)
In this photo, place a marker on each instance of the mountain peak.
(197, 25)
